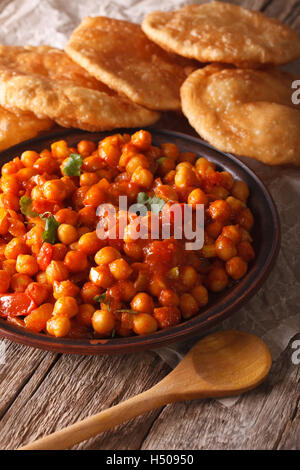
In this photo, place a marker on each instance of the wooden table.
(42, 392)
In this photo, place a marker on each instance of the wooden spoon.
(222, 364)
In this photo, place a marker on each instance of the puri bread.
(18, 126)
(246, 112)
(223, 32)
(48, 83)
(119, 54)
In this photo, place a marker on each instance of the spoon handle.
(100, 422)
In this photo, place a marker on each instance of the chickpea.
(70, 186)
(225, 248)
(10, 168)
(4, 281)
(87, 216)
(142, 302)
(9, 200)
(120, 269)
(136, 161)
(184, 177)
(19, 282)
(142, 177)
(88, 179)
(27, 264)
(233, 232)
(167, 316)
(166, 164)
(59, 149)
(144, 324)
(39, 293)
(201, 295)
(25, 174)
(67, 234)
(86, 147)
(156, 284)
(92, 163)
(65, 307)
(188, 276)
(41, 277)
(54, 190)
(245, 251)
(89, 291)
(245, 219)
(58, 326)
(187, 157)
(220, 210)
(127, 290)
(202, 165)
(46, 165)
(89, 243)
(109, 151)
(188, 306)
(103, 322)
(59, 251)
(66, 216)
(102, 277)
(170, 150)
(142, 140)
(14, 248)
(94, 196)
(10, 183)
(29, 157)
(65, 289)
(235, 204)
(236, 267)
(4, 222)
(214, 229)
(56, 271)
(209, 251)
(168, 298)
(37, 319)
(219, 192)
(217, 279)
(240, 191)
(134, 250)
(197, 196)
(76, 261)
(9, 265)
(85, 314)
(106, 255)
(227, 180)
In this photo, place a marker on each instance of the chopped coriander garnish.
(161, 160)
(154, 204)
(50, 233)
(73, 165)
(127, 310)
(25, 206)
(113, 333)
(100, 298)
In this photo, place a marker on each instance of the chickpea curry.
(58, 277)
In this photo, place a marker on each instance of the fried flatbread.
(119, 54)
(15, 127)
(246, 112)
(48, 83)
(223, 32)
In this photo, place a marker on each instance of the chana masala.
(58, 277)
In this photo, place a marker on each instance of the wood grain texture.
(41, 392)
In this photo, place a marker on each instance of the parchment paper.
(273, 314)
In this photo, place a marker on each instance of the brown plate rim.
(200, 323)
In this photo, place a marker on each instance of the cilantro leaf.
(154, 204)
(113, 333)
(161, 160)
(50, 233)
(100, 298)
(25, 206)
(103, 298)
(73, 165)
(127, 310)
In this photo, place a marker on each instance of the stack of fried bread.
(216, 62)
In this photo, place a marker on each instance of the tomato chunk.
(45, 256)
(14, 305)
